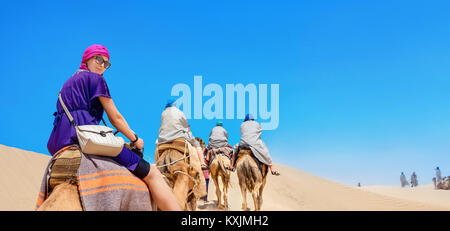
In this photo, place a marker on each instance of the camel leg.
(260, 200)
(225, 192)
(255, 195)
(255, 198)
(222, 203)
(218, 193)
(244, 196)
(64, 197)
(226, 183)
(260, 194)
(192, 202)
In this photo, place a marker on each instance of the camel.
(218, 168)
(180, 176)
(444, 183)
(250, 178)
(64, 197)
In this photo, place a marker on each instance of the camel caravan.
(76, 181)
(91, 169)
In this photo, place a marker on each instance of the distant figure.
(403, 180)
(414, 181)
(205, 171)
(438, 174)
(359, 184)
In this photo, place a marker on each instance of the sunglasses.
(101, 61)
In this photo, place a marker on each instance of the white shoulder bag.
(96, 139)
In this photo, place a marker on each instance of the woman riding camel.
(86, 96)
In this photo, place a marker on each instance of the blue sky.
(364, 85)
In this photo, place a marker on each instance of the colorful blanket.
(211, 153)
(103, 184)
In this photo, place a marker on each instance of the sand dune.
(21, 174)
(300, 191)
(424, 194)
(20, 178)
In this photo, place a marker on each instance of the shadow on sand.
(209, 205)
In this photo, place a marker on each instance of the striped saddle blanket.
(103, 184)
(213, 152)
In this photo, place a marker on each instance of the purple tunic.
(80, 95)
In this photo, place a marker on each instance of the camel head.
(202, 143)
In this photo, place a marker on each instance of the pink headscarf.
(92, 51)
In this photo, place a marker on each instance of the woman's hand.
(139, 144)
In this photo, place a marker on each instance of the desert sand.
(22, 171)
(425, 194)
(21, 174)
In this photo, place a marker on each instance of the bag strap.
(72, 121)
(66, 110)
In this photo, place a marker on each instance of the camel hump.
(248, 152)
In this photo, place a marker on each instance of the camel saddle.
(178, 144)
(65, 167)
(182, 146)
(213, 152)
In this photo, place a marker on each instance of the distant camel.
(444, 183)
(250, 178)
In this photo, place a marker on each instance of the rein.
(190, 177)
(173, 162)
(176, 172)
